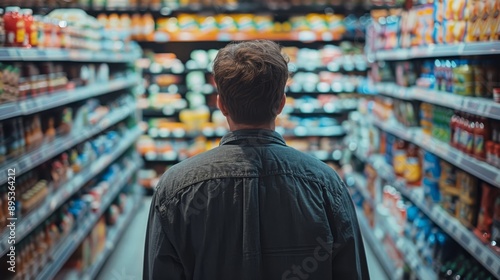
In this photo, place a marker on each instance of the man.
(252, 208)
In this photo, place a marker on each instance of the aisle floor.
(126, 261)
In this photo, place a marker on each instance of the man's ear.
(282, 104)
(221, 106)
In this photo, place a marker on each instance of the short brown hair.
(251, 78)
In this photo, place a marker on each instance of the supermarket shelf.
(376, 245)
(173, 157)
(326, 110)
(393, 90)
(60, 98)
(45, 152)
(63, 251)
(183, 134)
(406, 247)
(29, 222)
(462, 49)
(480, 169)
(113, 236)
(481, 252)
(34, 54)
(256, 7)
(302, 36)
(302, 131)
(474, 105)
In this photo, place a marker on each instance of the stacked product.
(63, 28)
(441, 22)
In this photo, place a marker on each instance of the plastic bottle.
(481, 133)
(469, 142)
(14, 27)
(31, 34)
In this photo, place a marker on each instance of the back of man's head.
(251, 78)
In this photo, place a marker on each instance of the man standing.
(252, 208)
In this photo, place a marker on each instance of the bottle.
(413, 169)
(455, 130)
(465, 133)
(481, 133)
(31, 32)
(469, 142)
(14, 27)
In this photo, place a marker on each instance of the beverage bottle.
(31, 34)
(14, 27)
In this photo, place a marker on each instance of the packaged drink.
(481, 135)
(31, 32)
(14, 27)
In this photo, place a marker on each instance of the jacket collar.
(252, 137)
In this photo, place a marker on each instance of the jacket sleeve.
(160, 258)
(348, 255)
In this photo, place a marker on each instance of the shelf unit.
(480, 169)
(65, 248)
(165, 10)
(461, 49)
(474, 105)
(124, 81)
(387, 226)
(113, 236)
(60, 98)
(29, 222)
(39, 54)
(47, 151)
(481, 252)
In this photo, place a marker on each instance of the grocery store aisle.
(126, 261)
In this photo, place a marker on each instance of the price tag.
(23, 164)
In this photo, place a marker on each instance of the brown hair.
(251, 78)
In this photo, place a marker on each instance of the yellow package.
(448, 9)
(458, 9)
(483, 22)
(245, 23)
(472, 18)
(187, 23)
(495, 21)
(459, 29)
(448, 34)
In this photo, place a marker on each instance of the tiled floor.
(126, 261)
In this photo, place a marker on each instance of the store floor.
(126, 261)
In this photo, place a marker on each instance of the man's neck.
(236, 126)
